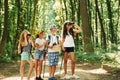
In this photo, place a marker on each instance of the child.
(24, 49)
(53, 44)
(68, 45)
(39, 51)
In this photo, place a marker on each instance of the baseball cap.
(53, 26)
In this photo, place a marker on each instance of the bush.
(92, 57)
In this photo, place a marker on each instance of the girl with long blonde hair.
(24, 49)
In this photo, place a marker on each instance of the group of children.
(53, 43)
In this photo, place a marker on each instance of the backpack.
(49, 39)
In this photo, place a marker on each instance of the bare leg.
(65, 62)
(53, 70)
(22, 69)
(40, 67)
(30, 69)
(72, 62)
(50, 71)
(36, 67)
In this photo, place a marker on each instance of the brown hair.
(37, 35)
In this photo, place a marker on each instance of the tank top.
(69, 41)
(27, 48)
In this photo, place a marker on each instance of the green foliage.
(92, 57)
(5, 58)
(40, 14)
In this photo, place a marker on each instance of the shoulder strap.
(49, 39)
(57, 39)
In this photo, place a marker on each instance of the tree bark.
(96, 27)
(6, 27)
(78, 12)
(88, 47)
(0, 19)
(72, 10)
(101, 23)
(66, 12)
(111, 29)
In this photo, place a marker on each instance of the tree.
(6, 27)
(102, 28)
(111, 29)
(66, 12)
(88, 47)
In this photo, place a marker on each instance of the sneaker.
(53, 78)
(50, 78)
(66, 76)
(36, 78)
(40, 78)
(75, 76)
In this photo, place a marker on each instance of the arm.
(33, 45)
(39, 46)
(77, 28)
(48, 45)
(62, 41)
(19, 48)
(25, 43)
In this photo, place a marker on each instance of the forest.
(99, 20)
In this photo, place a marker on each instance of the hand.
(25, 35)
(44, 43)
(19, 51)
(63, 48)
(50, 47)
(76, 25)
(30, 38)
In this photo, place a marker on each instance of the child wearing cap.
(68, 46)
(53, 44)
(39, 51)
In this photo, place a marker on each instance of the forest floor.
(86, 71)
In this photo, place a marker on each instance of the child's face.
(69, 26)
(53, 30)
(42, 34)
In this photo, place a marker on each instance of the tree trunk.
(118, 22)
(6, 27)
(111, 29)
(90, 19)
(17, 3)
(102, 28)
(96, 28)
(72, 10)
(78, 12)
(66, 12)
(88, 47)
(34, 15)
(0, 20)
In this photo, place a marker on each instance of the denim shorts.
(53, 58)
(38, 54)
(26, 56)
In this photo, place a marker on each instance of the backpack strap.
(57, 39)
(49, 39)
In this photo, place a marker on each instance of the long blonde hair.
(22, 38)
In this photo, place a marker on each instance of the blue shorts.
(53, 58)
(38, 54)
(26, 56)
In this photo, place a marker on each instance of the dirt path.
(86, 71)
